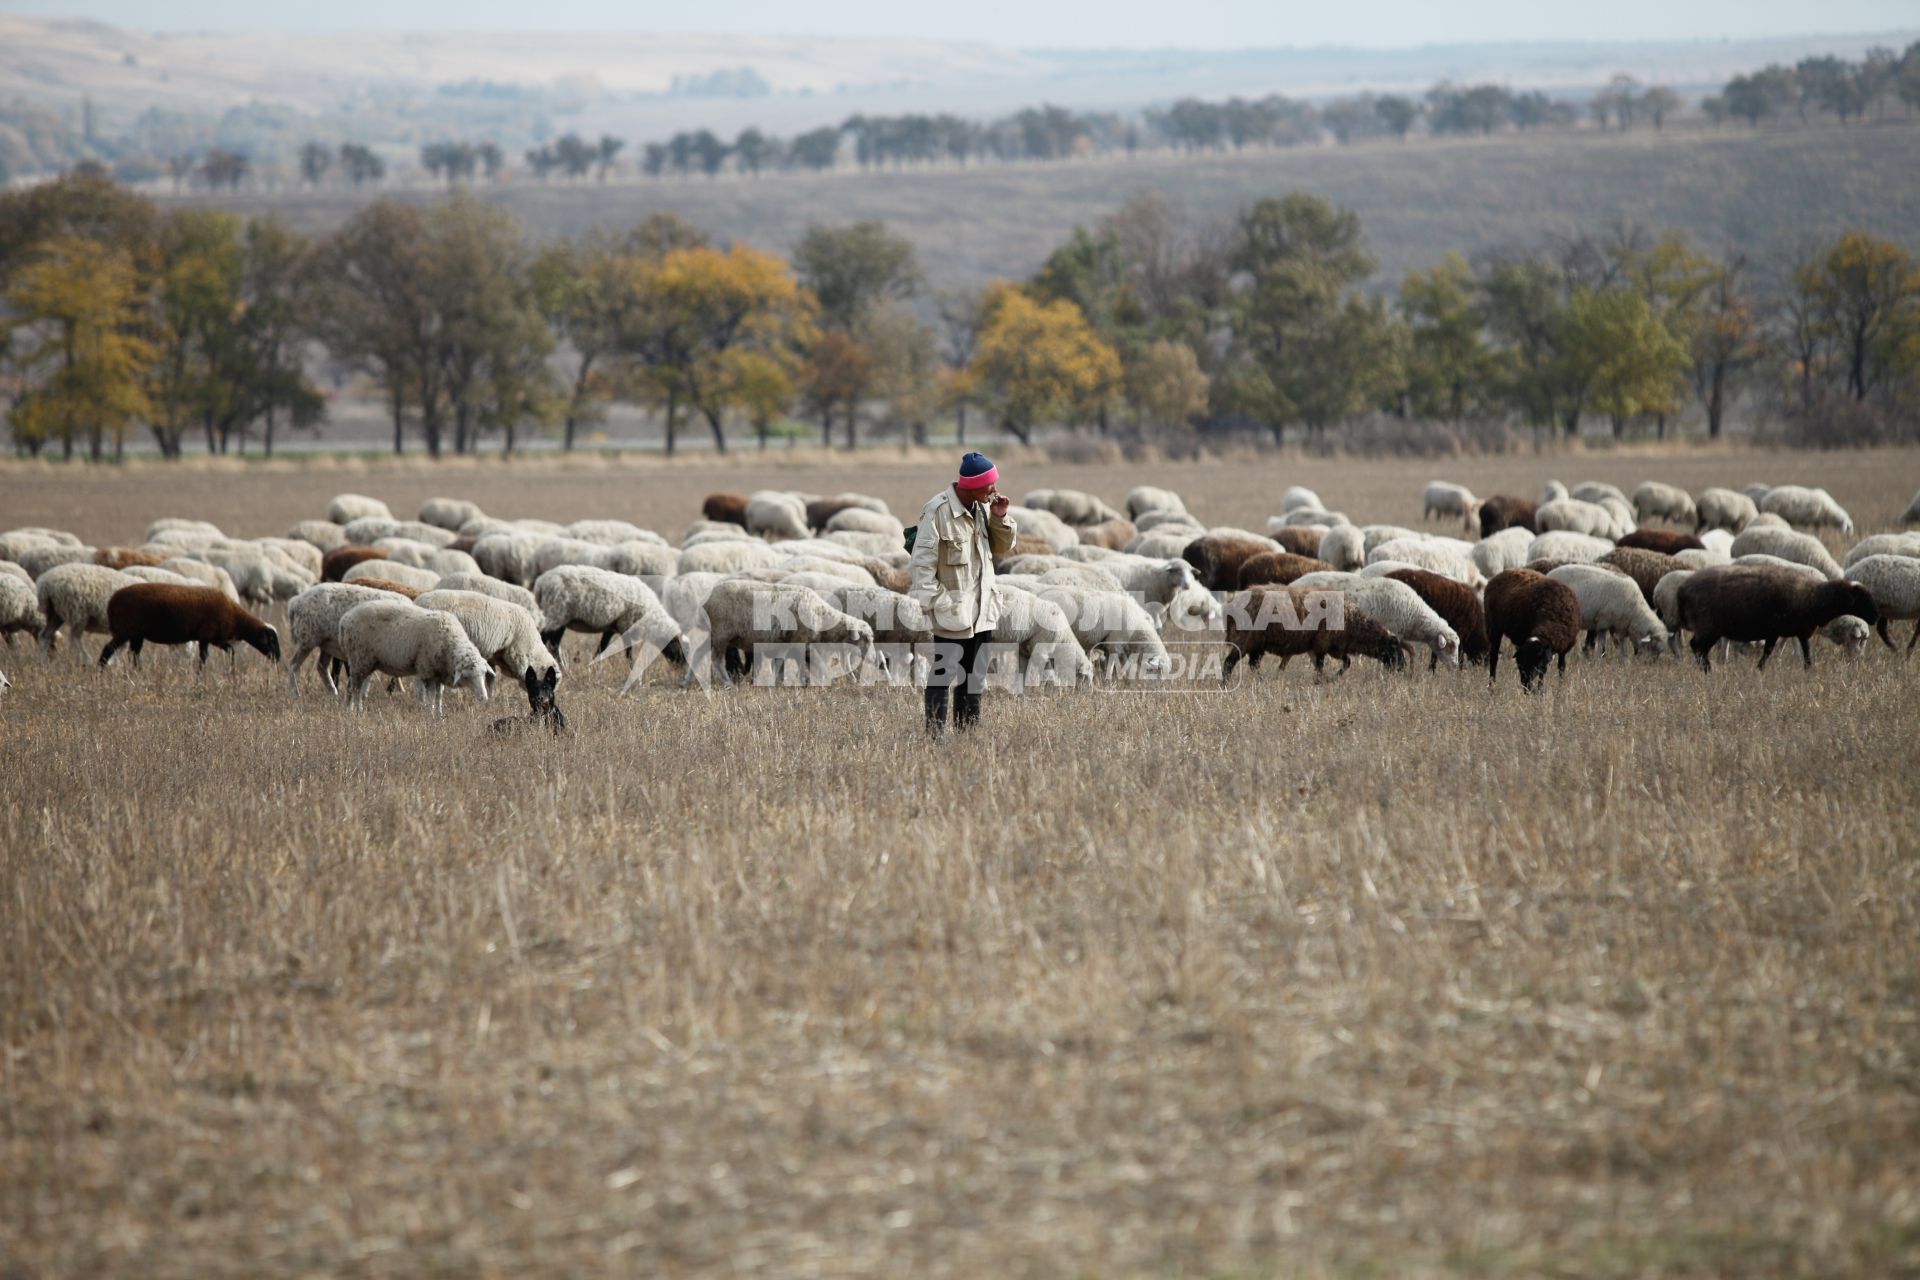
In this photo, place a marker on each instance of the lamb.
(506, 635)
(1810, 507)
(1894, 582)
(1298, 496)
(1075, 506)
(167, 614)
(398, 638)
(387, 570)
(1539, 615)
(1656, 501)
(348, 507)
(1290, 621)
(1045, 525)
(725, 508)
(1043, 638)
(1574, 515)
(486, 586)
(1457, 604)
(1612, 604)
(19, 606)
(1881, 544)
(1146, 497)
(726, 557)
(1646, 568)
(1723, 509)
(1114, 625)
(449, 513)
(1217, 560)
(1765, 603)
(1801, 548)
(743, 615)
(75, 596)
(1502, 549)
(1395, 606)
(1278, 568)
(1444, 498)
(1343, 547)
(1664, 541)
(1449, 561)
(1108, 534)
(772, 514)
(580, 598)
(313, 626)
(1503, 511)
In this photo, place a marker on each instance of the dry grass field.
(1381, 976)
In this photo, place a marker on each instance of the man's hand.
(1000, 505)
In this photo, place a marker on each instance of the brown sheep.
(1114, 535)
(166, 613)
(1278, 568)
(1457, 606)
(727, 508)
(1646, 568)
(388, 584)
(1216, 559)
(1503, 511)
(821, 510)
(1540, 615)
(1288, 621)
(127, 557)
(1299, 539)
(1766, 603)
(1665, 541)
(463, 544)
(895, 580)
(335, 563)
(1026, 544)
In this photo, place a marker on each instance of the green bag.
(907, 535)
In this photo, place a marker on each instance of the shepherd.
(962, 529)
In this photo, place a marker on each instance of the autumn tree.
(1040, 362)
(82, 357)
(1868, 291)
(1727, 339)
(1166, 386)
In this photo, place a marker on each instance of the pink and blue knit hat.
(977, 472)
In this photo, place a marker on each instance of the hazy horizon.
(1210, 25)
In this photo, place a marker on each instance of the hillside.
(1766, 193)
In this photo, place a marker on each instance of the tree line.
(195, 323)
(1829, 85)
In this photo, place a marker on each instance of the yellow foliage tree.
(1166, 385)
(1039, 362)
(84, 362)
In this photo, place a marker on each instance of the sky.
(1198, 24)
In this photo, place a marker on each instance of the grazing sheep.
(1290, 621)
(127, 557)
(16, 544)
(1666, 603)
(1457, 604)
(1504, 511)
(1554, 492)
(861, 520)
(742, 615)
(1144, 498)
(1539, 615)
(1075, 506)
(1114, 625)
(1756, 491)
(387, 570)
(508, 556)
(1343, 546)
(450, 513)
(1768, 520)
(1719, 543)
(75, 596)
(295, 552)
(726, 557)
(701, 531)
(398, 638)
(896, 619)
(1450, 560)
(19, 607)
(1278, 568)
(1081, 575)
(12, 570)
(1881, 544)
(725, 508)
(370, 529)
(1612, 604)
(1301, 540)
(1894, 582)
(313, 626)
(1372, 535)
(609, 533)
(1597, 491)
(487, 586)
(163, 613)
(1217, 558)
(1656, 501)
(1723, 509)
(1298, 496)
(334, 565)
(1561, 545)
(820, 510)
(1765, 603)
(1646, 568)
(391, 587)
(506, 635)
(1575, 515)
(1151, 520)
(257, 575)
(1044, 640)
(581, 598)
(1664, 541)
(1108, 534)
(1813, 508)
(348, 507)
(1444, 498)
(1161, 544)
(51, 555)
(1044, 525)
(419, 555)
(1395, 606)
(1801, 548)
(774, 515)
(1307, 518)
(1502, 549)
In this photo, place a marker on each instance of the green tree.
(1621, 356)
(1727, 339)
(315, 160)
(1868, 291)
(854, 268)
(1448, 362)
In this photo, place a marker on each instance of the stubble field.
(1386, 975)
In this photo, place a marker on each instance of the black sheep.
(167, 613)
(1765, 603)
(1541, 617)
(1503, 511)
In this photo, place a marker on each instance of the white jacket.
(953, 554)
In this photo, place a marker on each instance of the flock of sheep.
(452, 598)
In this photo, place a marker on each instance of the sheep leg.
(1233, 659)
(606, 638)
(1563, 664)
(293, 671)
(1586, 650)
(1493, 659)
(113, 647)
(1433, 661)
(552, 640)
(1766, 651)
(1806, 650)
(1880, 628)
(1915, 636)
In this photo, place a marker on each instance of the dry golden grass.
(1382, 976)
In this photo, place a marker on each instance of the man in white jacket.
(962, 529)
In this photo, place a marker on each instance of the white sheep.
(1814, 508)
(1882, 544)
(421, 555)
(51, 555)
(1449, 561)
(398, 638)
(1343, 546)
(175, 524)
(1045, 644)
(392, 571)
(611, 532)
(826, 566)
(576, 597)
(1115, 625)
(742, 615)
(1075, 506)
(1597, 491)
(1723, 509)
(1044, 525)
(1091, 553)
(506, 635)
(1506, 549)
(313, 626)
(1172, 521)
(1307, 518)
(1611, 604)
(726, 557)
(1444, 498)
(1081, 575)
(75, 596)
(348, 507)
(1666, 603)
(369, 530)
(1895, 584)
(1144, 498)
(1394, 605)
(773, 514)
(1718, 544)
(10, 569)
(1298, 496)
(1554, 492)
(1576, 515)
(1162, 544)
(203, 574)
(1788, 544)
(1168, 590)
(488, 586)
(1756, 491)
(861, 520)
(17, 543)
(1562, 545)
(1653, 500)
(509, 555)
(450, 513)
(19, 606)
(637, 558)
(871, 544)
